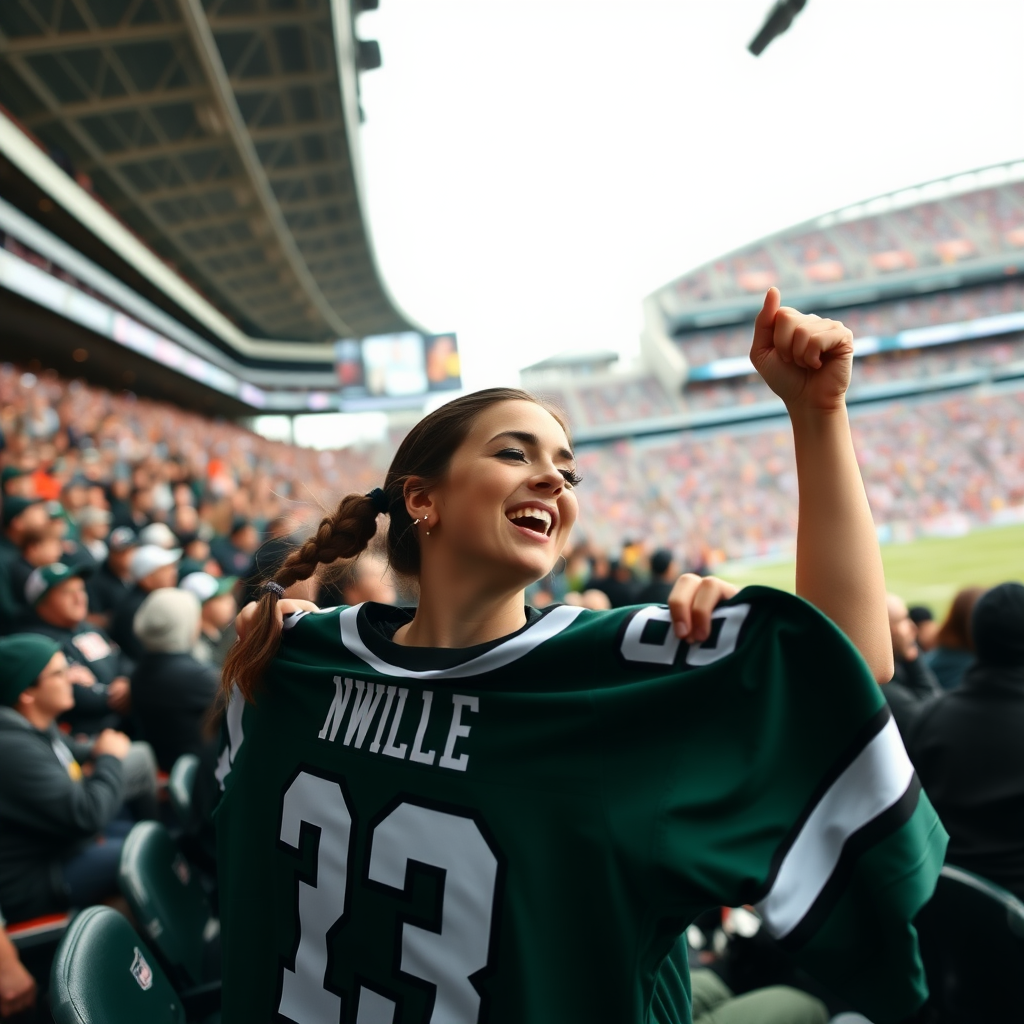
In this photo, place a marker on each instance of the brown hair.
(955, 630)
(425, 453)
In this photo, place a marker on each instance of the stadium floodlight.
(779, 19)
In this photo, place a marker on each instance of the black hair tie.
(381, 504)
(270, 587)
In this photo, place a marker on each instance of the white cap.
(149, 558)
(159, 534)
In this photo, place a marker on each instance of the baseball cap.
(149, 558)
(43, 579)
(122, 538)
(207, 587)
(159, 534)
(23, 657)
(14, 506)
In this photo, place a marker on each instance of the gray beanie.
(167, 621)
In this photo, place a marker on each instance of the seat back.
(180, 783)
(972, 944)
(167, 900)
(103, 973)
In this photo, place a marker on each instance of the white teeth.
(541, 514)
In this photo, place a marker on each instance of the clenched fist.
(805, 359)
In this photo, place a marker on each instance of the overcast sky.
(534, 168)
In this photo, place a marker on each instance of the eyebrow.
(525, 437)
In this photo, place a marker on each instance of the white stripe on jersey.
(875, 780)
(497, 657)
(233, 718)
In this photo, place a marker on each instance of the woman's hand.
(692, 601)
(804, 359)
(284, 607)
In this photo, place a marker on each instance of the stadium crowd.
(881, 320)
(982, 223)
(990, 358)
(131, 530)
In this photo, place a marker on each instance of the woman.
(953, 652)
(517, 812)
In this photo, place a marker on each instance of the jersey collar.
(503, 652)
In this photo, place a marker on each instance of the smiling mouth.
(534, 519)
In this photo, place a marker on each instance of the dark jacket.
(46, 815)
(655, 592)
(106, 591)
(171, 694)
(968, 748)
(90, 646)
(122, 628)
(949, 665)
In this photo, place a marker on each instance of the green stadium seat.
(972, 944)
(180, 783)
(167, 899)
(103, 973)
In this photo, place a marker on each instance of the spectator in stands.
(927, 627)
(151, 568)
(112, 581)
(368, 578)
(97, 668)
(619, 585)
(138, 511)
(38, 547)
(159, 535)
(953, 651)
(269, 556)
(235, 552)
(219, 608)
(93, 530)
(171, 690)
(20, 515)
(60, 839)
(16, 482)
(968, 749)
(912, 681)
(664, 573)
(17, 986)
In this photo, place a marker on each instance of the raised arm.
(806, 361)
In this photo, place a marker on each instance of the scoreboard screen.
(387, 371)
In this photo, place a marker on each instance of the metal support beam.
(209, 55)
(63, 42)
(120, 104)
(160, 151)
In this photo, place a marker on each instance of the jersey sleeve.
(806, 806)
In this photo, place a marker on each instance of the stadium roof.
(225, 134)
(942, 234)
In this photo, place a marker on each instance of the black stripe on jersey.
(867, 732)
(889, 821)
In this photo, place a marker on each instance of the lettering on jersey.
(366, 703)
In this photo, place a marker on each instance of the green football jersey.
(520, 832)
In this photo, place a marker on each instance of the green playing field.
(928, 571)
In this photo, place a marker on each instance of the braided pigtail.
(344, 534)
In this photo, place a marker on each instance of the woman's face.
(507, 504)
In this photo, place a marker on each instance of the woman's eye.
(512, 453)
(572, 478)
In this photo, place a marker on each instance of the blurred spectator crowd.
(983, 223)
(731, 492)
(883, 319)
(992, 356)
